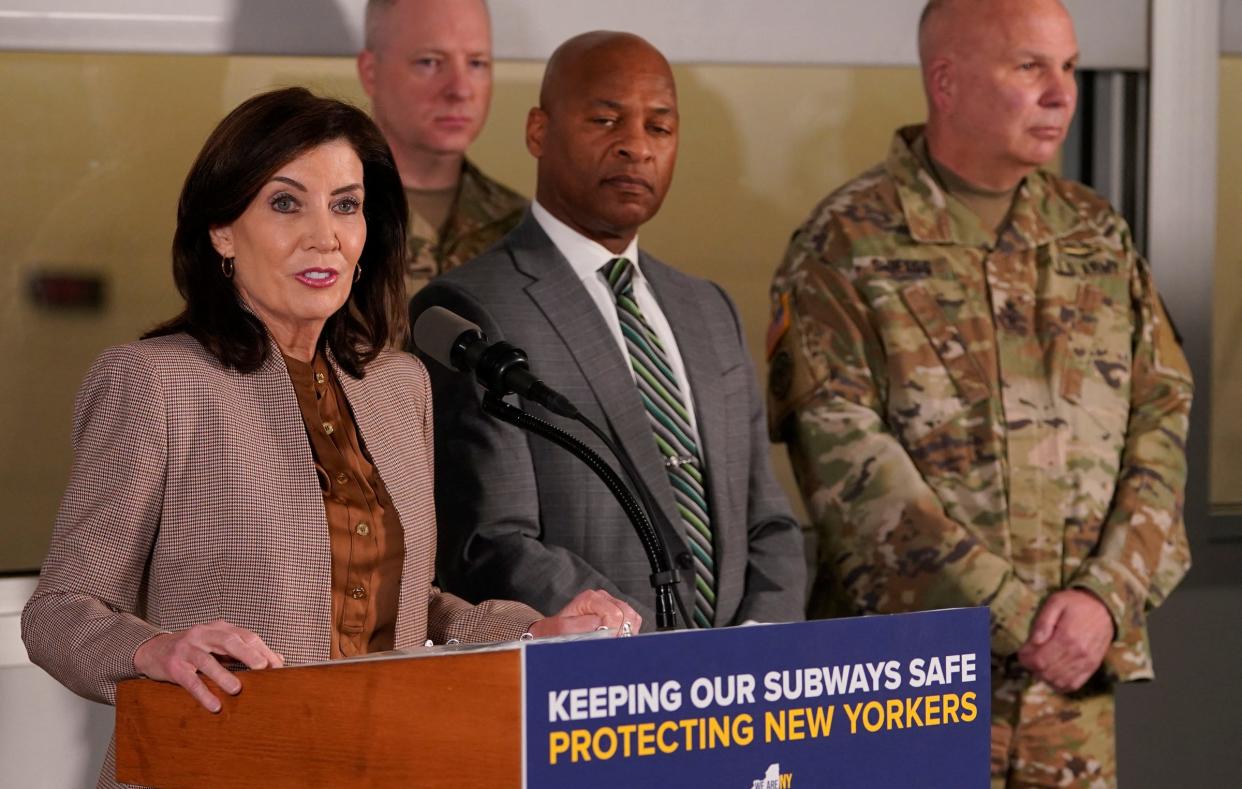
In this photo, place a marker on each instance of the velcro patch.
(779, 325)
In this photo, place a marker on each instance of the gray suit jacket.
(523, 519)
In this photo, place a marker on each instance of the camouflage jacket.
(981, 420)
(483, 213)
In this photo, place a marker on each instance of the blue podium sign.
(885, 701)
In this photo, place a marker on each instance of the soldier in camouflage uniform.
(427, 67)
(989, 414)
(484, 211)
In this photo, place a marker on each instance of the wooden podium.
(887, 701)
(391, 722)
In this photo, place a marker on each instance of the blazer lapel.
(571, 313)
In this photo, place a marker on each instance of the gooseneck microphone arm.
(664, 577)
(656, 515)
(502, 369)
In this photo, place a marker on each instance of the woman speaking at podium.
(252, 481)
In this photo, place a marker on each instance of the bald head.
(950, 28)
(958, 29)
(935, 27)
(379, 16)
(605, 134)
(999, 78)
(587, 58)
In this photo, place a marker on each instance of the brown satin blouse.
(363, 527)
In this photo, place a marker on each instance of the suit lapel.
(571, 313)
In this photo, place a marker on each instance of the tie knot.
(620, 275)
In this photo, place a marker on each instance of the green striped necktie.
(665, 401)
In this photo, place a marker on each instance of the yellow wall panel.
(95, 147)
(1226, 432)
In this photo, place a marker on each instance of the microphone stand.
(653, 510)
(664, 577)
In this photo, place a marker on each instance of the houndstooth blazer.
(193, 497)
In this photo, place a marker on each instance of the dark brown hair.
(253, 141)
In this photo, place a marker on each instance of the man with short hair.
(427, 66)
(982, 395)
(651, 355)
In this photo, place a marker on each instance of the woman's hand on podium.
(181, 656)
(590, 610)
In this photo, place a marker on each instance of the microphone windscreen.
(437, 330)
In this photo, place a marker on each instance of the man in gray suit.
(653, 355)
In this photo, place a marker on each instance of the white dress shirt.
(587, 257)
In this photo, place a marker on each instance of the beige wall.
(1226, 433)
(94, 148)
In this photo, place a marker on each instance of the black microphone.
(499, 367)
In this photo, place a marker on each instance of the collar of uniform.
(932, 216)
(586, 257)
(420, 229)
(473, 189)
(1040, 214)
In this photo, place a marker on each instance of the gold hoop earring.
(226, 267)
(357, 272)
